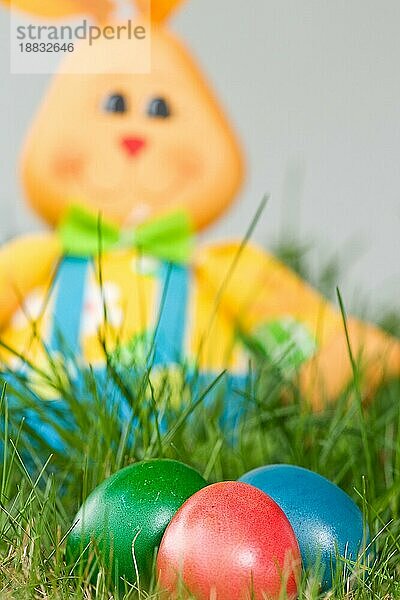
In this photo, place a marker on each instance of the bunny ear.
(160, 10)
(98, 9)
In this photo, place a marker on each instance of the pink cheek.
(189, 164)
(67, 166)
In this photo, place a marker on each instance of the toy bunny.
(122, 168)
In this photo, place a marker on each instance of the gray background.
(313, 87)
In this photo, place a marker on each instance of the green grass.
(356, 447)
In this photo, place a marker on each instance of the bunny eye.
(158, 108)
(115, 103)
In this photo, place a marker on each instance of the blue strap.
(171, 326)
(70, 287)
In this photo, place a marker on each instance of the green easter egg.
(128, 513)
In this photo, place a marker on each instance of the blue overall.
(69, 289)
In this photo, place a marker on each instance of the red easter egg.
(229, 541)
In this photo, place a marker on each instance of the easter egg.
(325, 519)
(128, 513)
(229, 541)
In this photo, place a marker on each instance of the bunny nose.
(133, 145)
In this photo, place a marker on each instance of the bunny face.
(133, 146)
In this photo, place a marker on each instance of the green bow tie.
(169, 238)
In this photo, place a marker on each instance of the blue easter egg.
(325, 519)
